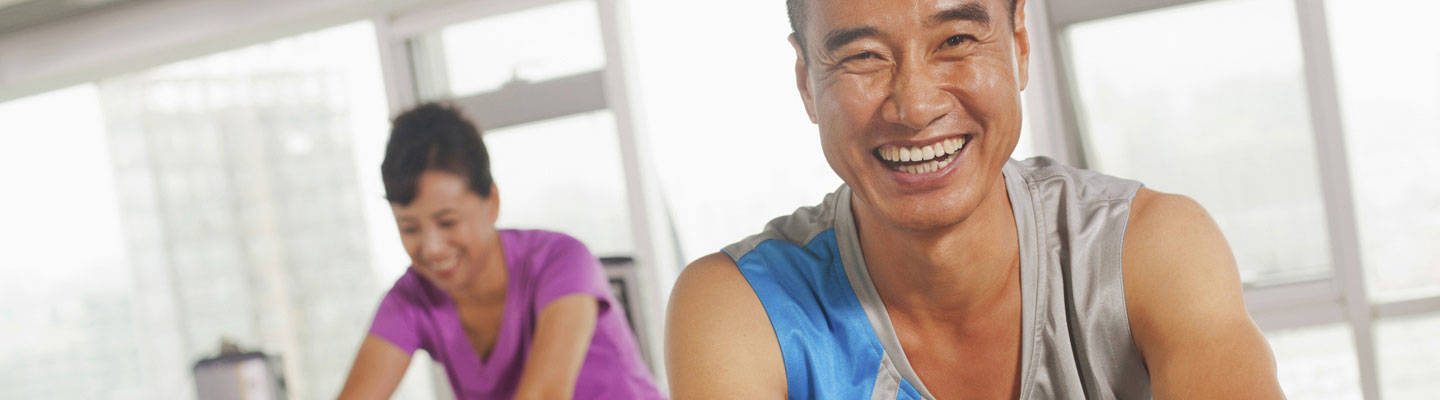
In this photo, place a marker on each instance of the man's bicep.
(718, 340)
(1186, 305)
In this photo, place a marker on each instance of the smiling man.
(944, 269)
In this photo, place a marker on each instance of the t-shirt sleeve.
(569, 268)
(396, 320)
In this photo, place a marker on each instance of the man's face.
(918, 101)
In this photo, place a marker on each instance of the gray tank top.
(1076, 341)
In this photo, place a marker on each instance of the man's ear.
(802, 78)
(1022, 46)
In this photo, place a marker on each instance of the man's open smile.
(921, 158)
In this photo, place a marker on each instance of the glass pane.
(729, 154)
(534, 45)
(216, 198)
(564, 175)
(1408, 351)
(1316, 362)
(66, 300)
(1216, 113)
(1390, 97)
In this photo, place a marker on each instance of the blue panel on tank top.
(829, 347)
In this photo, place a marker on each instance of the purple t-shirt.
(543, 266)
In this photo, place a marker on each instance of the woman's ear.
(492, 204)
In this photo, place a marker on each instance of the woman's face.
(448, 230)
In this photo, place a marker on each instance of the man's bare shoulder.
(1186, 304)
(718, 339)
(1173, 248)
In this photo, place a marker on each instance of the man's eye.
(958, 40)
(860, 57)
(447, 224)
(409, 230)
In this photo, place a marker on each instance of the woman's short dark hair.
(433, 136)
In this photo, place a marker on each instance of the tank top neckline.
(848, 242)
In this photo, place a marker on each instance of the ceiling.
(20, 14)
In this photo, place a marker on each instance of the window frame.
(1341, 298)
(126, 38)
(406, 60)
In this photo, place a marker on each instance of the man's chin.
(924, 214)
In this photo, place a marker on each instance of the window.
(1390, 95)
(1228, 107)
(731, 142)
(1216, 114)
(563, 175)
(70, 306)
(732, 145)
(215, 198)
(1407, 354)
(1316, 362)
(533, 45)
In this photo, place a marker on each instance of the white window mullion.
(1335, 185)
(1296, 305)
(1048, 96)
(655, 258)
(1407, 308)
(394, 65)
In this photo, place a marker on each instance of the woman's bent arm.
(562, 338)
(377, 370)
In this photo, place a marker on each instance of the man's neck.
(958, 271)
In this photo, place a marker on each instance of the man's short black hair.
(797, 8)
(433, 136)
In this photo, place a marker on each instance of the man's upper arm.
(1186, 305)
(718, 339)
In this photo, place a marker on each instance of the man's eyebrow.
(971, 11)
(840, 37)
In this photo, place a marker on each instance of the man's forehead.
(832, 14)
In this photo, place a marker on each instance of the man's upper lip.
(921, 142)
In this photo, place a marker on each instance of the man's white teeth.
(924, 153)
(932, 166)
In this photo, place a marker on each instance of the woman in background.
(509, 313)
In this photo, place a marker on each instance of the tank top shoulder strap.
(797, 267)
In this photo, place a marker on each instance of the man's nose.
(916, 99)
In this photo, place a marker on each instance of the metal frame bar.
(522, 102)
(1335, 185)
(1282, 297)
(1407, 308)
(420, 21)
(431, 78)
(395, 66)
(1055, 133)
(647, 217)
(1070, 12)
(133, 36)
(1296, 305)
